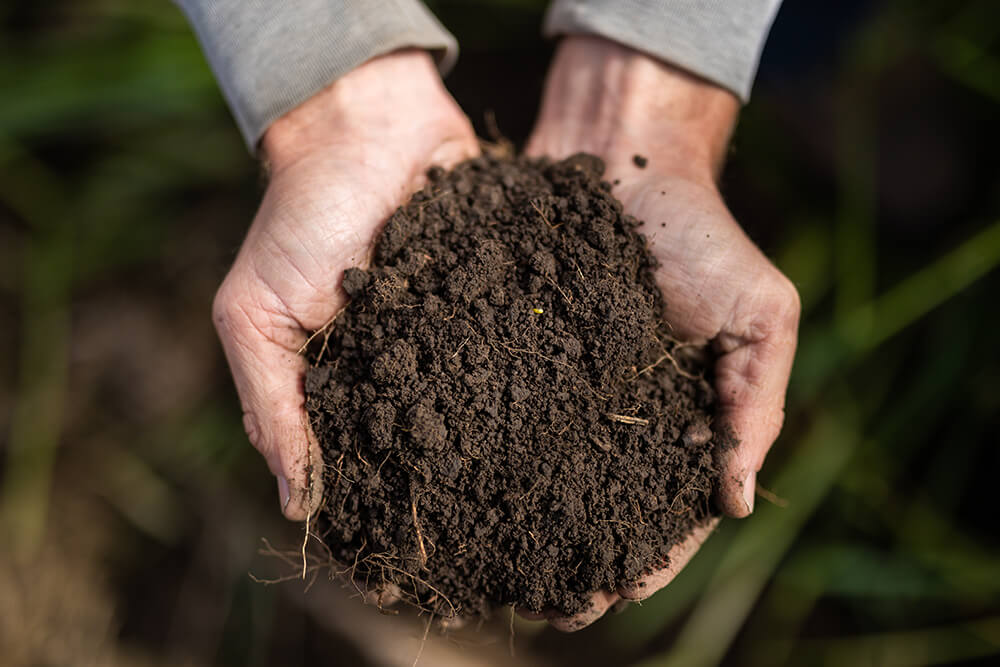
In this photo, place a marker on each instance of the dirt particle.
(640, 161)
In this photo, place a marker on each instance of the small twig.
(625, 419)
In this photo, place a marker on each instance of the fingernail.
(284, 495)
(749, 489)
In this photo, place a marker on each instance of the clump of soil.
(504, 417)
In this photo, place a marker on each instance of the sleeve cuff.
(719, 40)
(269, 56)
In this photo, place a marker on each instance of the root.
(313, 565)
(420, 534)
(340, 470)
(305, 542)
(689, 485)
(569, 301)
(510, 637)
(433, 199)
(678, 345)
(381, 565)
(423, 640)
(620, 523)
(529, 491)
(325, 330)
(541, 214)
(664, 357)
(460, 347)
(383, 561)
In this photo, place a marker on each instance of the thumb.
(262, 350)
(751, 377)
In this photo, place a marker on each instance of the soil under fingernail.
(504, 416)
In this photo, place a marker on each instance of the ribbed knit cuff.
(269, 56)
(719, 40)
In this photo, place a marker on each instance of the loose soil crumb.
(504, 417)
(640, 161)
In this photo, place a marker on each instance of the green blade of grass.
(923, 291)
(37, 416)
(36, 422)
(756, 551)
(824, 354)
(946, 644)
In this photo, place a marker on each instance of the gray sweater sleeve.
(719, 40)
(269, 56)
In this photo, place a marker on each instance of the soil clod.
(501, 420)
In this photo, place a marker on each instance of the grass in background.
(126, 189)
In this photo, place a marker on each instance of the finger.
(677, 558)
(450, 152)
(599, 604)
(261, 348)
(751, 377)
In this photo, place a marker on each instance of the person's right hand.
(340, 164)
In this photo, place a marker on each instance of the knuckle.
(223, 308)
(786, 303)
(252, 430)
(230, 315)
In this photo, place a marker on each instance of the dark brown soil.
(504, 417)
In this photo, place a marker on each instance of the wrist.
(391, 101)
(610, 100)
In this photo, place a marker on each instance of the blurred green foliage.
(124, 191)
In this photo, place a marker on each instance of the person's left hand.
(606, 99)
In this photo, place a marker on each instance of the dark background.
(132, 508)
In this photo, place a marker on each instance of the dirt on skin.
(504, 417)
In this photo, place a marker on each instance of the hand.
(607, 99)
(340, 164)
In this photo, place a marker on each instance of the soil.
(504, 416)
